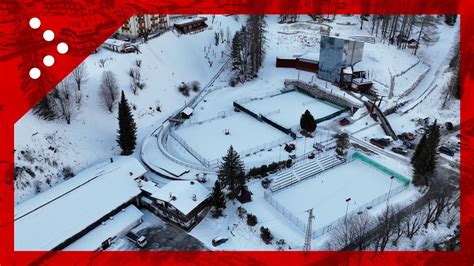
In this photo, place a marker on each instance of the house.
(183, 203)
(118, 46)
(191, 25)
(336, 54)
(143, 25)
(66, 213)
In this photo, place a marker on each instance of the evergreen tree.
(342, 144)
(432, 145)
(424, 158)
(232, 173)
(236, 56)
(217, 200)
(127, 132)
(307, 122)
(418, 162)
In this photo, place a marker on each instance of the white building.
(139, 24)
(57, 218)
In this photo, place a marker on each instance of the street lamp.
(279, 156)
(390, 188)
(347, 208)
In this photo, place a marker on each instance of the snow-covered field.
(286, 109)
(245, 132)
(327, 193)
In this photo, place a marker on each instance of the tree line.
(248, 50)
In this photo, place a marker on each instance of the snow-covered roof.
(149, 186)
(188, 21)
(183, 191)
(122, 221)
(347, 70)
(361, 81)
(115, 42)
(48, 219)
(187, 111)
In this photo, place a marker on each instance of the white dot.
(48, 60)
(35, 73)
(62, 48)
(35, 23)
(48, 35)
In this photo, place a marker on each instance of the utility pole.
(309, 231)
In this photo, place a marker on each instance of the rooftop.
(181, 193)
(50, 218)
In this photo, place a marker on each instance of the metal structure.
(309, 231)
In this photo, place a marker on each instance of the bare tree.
(388, 222)
(79, 75)
(352, 231)
(109, 91)
(64, 99)
(135, 80)
(413, 224)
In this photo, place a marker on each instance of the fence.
(241, 108)
(338, 222)
(382, 168)
(194, 153)
(268, 145)
(195, 121)
(267, 195)
(279, 127)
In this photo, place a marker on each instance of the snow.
(115, 42)
(327, 192)
(47, 220)
(286, 109)
(245, 131)
(124, 220)
(184, 191)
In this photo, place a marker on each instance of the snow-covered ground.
(286, 109)
(327, 193)
(43, 149)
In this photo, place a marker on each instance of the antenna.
(309, 231)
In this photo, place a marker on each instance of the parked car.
(399, 150)
(446, 150)
(409, 145)
(385, 141)
(408, 136)
(377, 143)
(219, 241)
(140, 241)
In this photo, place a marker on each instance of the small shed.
(187, 112)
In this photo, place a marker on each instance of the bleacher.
(304, 170)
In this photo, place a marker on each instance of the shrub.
(195, 86)
(266, 183)
(288, 163)
(184, 89)
(266, 235)
(251, 219)
(67, 172)
(241, 211)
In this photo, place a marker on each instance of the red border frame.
(21, 47)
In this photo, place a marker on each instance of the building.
(140, 25)
(191, 25)
(118, 46)
(336, 54)
(66, 213)
(183, 203)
